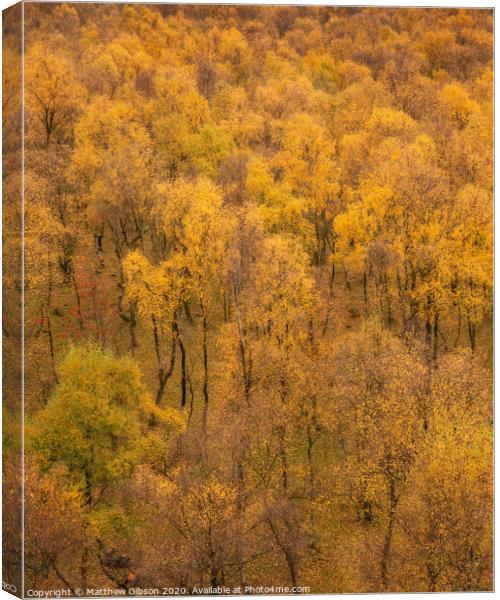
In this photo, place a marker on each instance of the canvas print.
(247, 303)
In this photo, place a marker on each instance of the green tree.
(94, 422)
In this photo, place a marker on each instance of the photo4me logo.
(249, 589)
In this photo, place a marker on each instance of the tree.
(110, 167)
(54, 94)
(445, 517)
(94, 422)
(195, 226)
(94, 430)
(157, 292)
(54, 528)
(380, 434)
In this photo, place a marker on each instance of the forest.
(258, 257)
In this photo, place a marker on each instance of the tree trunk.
(183, 367)
(435, 341)
(205, 370)
(281, 430)
(48, 309)
(290, 557)
(246, 362)
(78, 303)
(471, 328)
(330, 296)
(163, 375)
(386, 550)
(312, 486)
(132, 324)
(365, 291)
(240, 500)
(283, 456)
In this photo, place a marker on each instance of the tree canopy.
(258, 311)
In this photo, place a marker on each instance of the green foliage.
(94, 422)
